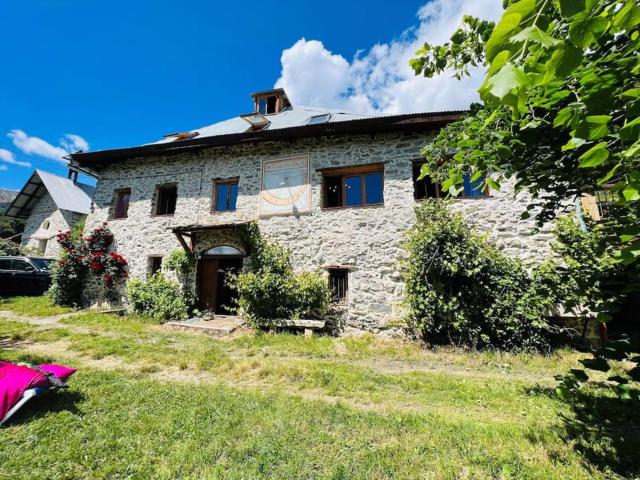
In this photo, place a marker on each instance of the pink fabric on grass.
(59, 371)
(15, 379)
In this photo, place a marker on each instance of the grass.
(32, 306)
(154, 403)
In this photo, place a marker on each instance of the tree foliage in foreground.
(561, 104)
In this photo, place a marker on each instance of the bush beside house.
(271, 290)
(463, 290)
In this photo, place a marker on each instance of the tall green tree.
(560, 106)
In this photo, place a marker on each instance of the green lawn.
(154, 403)
(32, 306)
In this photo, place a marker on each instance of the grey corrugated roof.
(292, 116)
(66, 194)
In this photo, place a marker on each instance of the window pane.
(373, 188)
(271, 104)
(167, 199)
(262, 105)
(122, 204)
(221, 200)
(333, 191)
(233, 196)
(339, 285)
(21, 265)
(5, 264)
(473, 189)
(353, 187)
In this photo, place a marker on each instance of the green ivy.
(462, 290)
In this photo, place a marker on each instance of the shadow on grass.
(606, 432)
(59, 401)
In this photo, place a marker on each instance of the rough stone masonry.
(366, 240)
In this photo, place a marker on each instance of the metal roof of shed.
(65, 194)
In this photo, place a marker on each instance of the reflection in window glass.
(473, 189)
(353, 187)
(373, 188)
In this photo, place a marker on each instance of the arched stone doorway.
(214, 267)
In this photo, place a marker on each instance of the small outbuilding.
(50, 203)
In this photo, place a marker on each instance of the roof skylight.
(317, 119)
(257, 120)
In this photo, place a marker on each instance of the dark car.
(25, 275)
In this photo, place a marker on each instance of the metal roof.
(291, 123)
(287, 118)
(65, 194)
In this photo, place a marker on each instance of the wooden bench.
(308, 325)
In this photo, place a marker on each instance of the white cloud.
(380, 79)
(7, 156)
(73, 143)
(37, 146)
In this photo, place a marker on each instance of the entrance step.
(218, 326)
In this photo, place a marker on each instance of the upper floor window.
(121, 203)
(353, 186)
(267, 105)
(427, 188)
(225, 195)
(166, 199)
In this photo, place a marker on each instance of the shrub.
(180, 262)
(158, 298)
(462, 290)
(273, 291)
(82, 258)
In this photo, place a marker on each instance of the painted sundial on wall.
(285, 186)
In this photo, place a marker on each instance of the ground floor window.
(339, 285)
(155, 264)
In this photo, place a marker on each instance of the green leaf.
(569, 8)
(595, 156)
(585, 30)
(609, 174)
(631, 93)
(631, 193)
(630, 233)
(498, 62)
(509, 78)
(564, 117)
(631, 130)
(573, 144)
(509, 22)
(564, 60)
(536, 35)
(593, 127)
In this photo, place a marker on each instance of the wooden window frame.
(223, 181)
(342, 271)
(351, 171)
(114, 204)
(156, 199)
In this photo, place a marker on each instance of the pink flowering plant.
(85, 257)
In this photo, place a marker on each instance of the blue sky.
(119, 73)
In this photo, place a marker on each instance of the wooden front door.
(215, 294)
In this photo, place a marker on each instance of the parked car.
(25, 275)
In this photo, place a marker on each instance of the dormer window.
(269, 102)
(267, 105)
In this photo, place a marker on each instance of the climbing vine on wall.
(84, 258)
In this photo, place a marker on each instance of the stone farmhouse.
(49, 204)
(337, 189)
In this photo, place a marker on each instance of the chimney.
(268, 102)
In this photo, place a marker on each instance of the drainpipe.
(579, 217)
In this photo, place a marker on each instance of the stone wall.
(368, 240)
(44, 222)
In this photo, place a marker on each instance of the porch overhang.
(186, 234)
